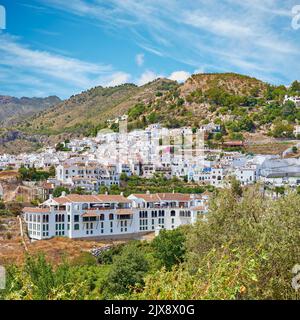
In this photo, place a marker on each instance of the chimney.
(122, 194)
(63, 194)
(106, 193)
(148, 192)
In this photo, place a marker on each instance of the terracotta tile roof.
(174, 197)
(157, 197)
(47, 185)
(36, 210)
(90, 215)
(124, 211)
(92, 198)
(198, 208)
(147, 197)
(113, 198)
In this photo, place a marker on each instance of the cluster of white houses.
(91, 216)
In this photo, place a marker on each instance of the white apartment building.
(89, 176)
(92, 216)
(246, 175)
(214, 176)
(80, 216)
(296, 100)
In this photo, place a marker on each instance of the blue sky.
(62, 47)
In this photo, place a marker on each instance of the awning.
(90, 215)
(124, 211)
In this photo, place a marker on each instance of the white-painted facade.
(89, 216)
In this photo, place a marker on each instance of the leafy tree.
(282, 129)
(136, 111)
(235, 186)
(57, 192)
(32, 174)
(153, 117)
(52, 171)
(128, 270)
(295, 87)
(294, 149)
(38, 280)
(169, 247)
(123, 176)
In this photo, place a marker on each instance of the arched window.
(102, 217)
(173, 213)
(111, 216)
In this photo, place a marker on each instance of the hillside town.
(91, 164)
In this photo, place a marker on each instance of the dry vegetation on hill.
(239, 103)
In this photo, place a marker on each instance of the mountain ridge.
(239, 102)
(13, 110)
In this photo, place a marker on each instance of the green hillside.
(239, 103)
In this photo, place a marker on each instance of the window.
(76, 226)
(173, 213)
(111, 216)
(143, 214)
(143, 224)
(76, 218)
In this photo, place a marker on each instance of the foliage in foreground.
(244, 249)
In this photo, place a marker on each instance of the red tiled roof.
(124, 211)
(36, 210)
(91, 198)
(147, 197)
(90, 215)
(198, 208)
(157, 197)
(174, 197)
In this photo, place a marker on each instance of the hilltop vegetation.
(83, 112)
(239, 103)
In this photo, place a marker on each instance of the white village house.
(87, 216)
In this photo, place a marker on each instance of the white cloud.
(140, 59)
(116, 79)
(199, 70)
(66, 75)
(179, 76)
(257, 32)
(146, 77)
